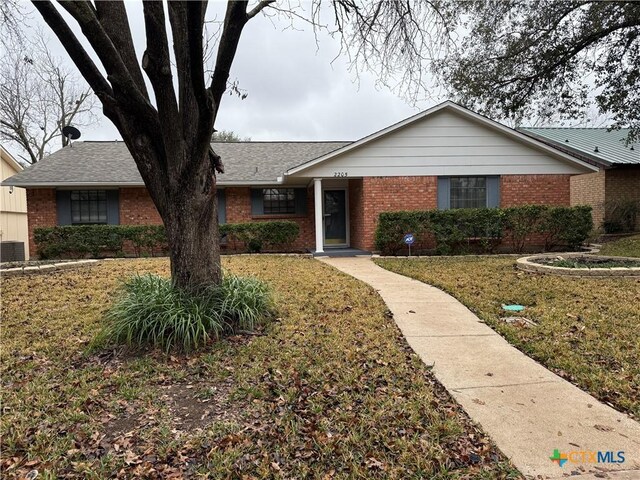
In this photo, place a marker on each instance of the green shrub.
(149, 239)
(80, 240)
(567, 226)
(482, 229)
(459, 230)
(258, 236)
(449, 231)
(453, 231)
(522, 222)
(151, 312)
(392, 226)
(77, 241)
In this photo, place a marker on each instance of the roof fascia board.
(28, 184)
(244, 183)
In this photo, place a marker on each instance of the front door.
(335, 218)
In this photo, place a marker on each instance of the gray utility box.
(11, 251)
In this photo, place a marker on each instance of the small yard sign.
(409, 239)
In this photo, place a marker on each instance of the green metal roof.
(600, 144)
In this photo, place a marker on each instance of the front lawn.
(587, 329)
(329, 390)
(625, 247)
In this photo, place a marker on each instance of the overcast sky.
(295, 90)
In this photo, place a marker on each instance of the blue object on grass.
(513, 308)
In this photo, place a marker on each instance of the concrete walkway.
(527, 410)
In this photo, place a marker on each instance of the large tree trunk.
(191, 222)
(194, 245)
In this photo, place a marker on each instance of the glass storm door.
(335, 217)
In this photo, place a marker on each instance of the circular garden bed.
(581, 265)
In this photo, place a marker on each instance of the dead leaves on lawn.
(329, 390)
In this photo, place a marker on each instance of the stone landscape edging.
(525, 264)
(46, 268)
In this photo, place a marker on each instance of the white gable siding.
(444, 143)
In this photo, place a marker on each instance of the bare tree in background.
(169, 136)
(12, 13)
(39, 96)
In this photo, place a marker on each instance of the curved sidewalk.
(527, 410)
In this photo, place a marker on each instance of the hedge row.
(484, 229)
(79, 241)
(258, 236)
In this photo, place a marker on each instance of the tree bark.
(193, 239)
(190, 217)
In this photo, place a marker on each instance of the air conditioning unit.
(11, 251)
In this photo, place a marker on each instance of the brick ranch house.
(444, 157)
(617, 180)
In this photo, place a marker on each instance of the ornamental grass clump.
(152, 312)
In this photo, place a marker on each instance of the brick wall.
(518, 190)
(603, 189)
(623, 184)
(391, 194)
(238, 204)
(41, 212)
(356, 213)
(589, 189)
(238, 208)
(137, 208)
(534, 189)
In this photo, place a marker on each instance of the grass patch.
(329, 389)
(625, 247)
(150, 311)
(587, 328)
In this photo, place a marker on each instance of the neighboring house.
(617, 182)
(13, 208)
(444, 157)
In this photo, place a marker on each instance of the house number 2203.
(339, 174)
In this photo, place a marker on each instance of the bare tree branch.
(77, 53)
(39, 96)
(258, 8)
